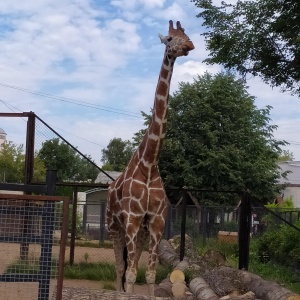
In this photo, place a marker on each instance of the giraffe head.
(177, 42)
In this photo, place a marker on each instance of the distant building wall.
(2, 137)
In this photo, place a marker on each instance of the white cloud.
(107, 54)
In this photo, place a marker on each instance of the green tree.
(218, 140)
(12, 162)
(117, 154)
(258, 37)
(286, 155)
(69, 164)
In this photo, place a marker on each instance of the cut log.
(263, 289)
(177, 274)
(178, 289)
(201, 290)
(164, 289)
(167, 255)
(183, 265)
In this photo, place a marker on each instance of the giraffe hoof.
(129, 288)
(151, 290)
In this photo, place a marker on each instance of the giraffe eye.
(169, 39)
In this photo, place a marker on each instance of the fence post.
(244, 231)
(84, 219)
(168, 222)
(73, 229)
(29, 159)
(102, 221)
(183, 224)
(203, 223)
(47, 238)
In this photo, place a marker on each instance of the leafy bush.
(282, 245)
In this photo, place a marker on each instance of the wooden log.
(164, 289)
(177, 274)
(167, 255)
(182, 265)
(201, 290)
(263, 289)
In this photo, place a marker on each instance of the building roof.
(294, 176)
(2, 131)
(102, 178)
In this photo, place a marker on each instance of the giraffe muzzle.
(188, 46)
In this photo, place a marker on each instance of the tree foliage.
(255, 37)
(12, 162)
(117, 154)
(59, 156)
(286, 155)
(218, 140)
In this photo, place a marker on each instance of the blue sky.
(106, 54)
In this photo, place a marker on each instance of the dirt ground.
(9, 253)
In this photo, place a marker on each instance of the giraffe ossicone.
(137, 201)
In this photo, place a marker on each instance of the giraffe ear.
(163, 39)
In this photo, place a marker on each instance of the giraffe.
(137, 201)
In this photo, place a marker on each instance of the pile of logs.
(211, 278)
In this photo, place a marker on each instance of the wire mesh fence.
(89, 241)
(32, 239)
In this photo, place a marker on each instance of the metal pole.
(183, 221)
(244, 231)
(73, 230)
(28, 175)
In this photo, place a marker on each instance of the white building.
(292, 181)
(2, 137)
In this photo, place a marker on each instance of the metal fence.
(188, 212)
(33, 233)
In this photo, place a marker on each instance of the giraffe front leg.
(131, 243)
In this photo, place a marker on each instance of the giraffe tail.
(125, 255)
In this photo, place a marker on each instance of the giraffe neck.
(149, 149)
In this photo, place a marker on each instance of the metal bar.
(29, 153)
(19, 278)
(63, 241)
(32, 197)
(18, 115)
(23, 188)
(168, 222)
(20, 239)
(47, 238)
(46, 251)
(73, 230)
(244, 231)
(183, 221)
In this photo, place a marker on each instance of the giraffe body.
(137, 201)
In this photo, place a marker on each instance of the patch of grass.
(30, 266)
(91, 271)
